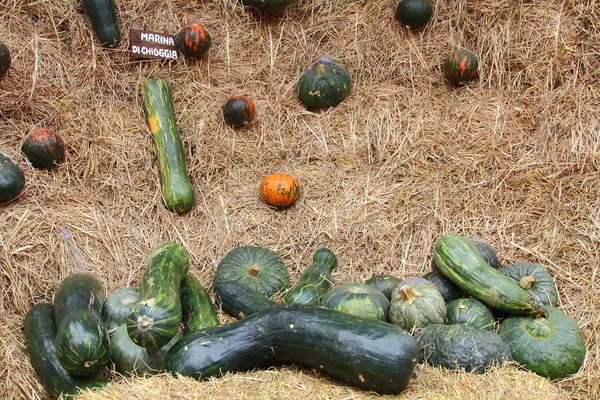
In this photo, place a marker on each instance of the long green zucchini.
(460, 261)
(240, 301)
(177, 190)
(104, 21)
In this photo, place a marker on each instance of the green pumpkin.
(471, 312)
(552, 346)
(461, 66)
(325, 257)
(324, 84)
(447, 288)
(12, 179)
(255, 267)
(414, 13)
(5, 59)
(359, 299)
(416, 303)
(535, 280)
(385, 283)
(117, 307)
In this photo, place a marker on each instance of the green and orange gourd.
(193, 40)
(279, 190)
(238, 111)
(461, 66)
(43, 148)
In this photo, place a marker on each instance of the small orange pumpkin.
(193, 40)
(279, 190)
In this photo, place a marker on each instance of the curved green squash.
(118, 306)
(5, 59)
(458, 259)
(385, 283)
(40, 333)
(414, 13)
(267, 5)
(256, 267)
(366, 353)
(535, 280)
(461, 346)
(104, 21)
(177, 190)
(240, 301)
(416, 303)
(446, 287)
(156, 318)
(12, 179)
(82, 343)
(325, 83)
(315, 281)
(198, 310)
(359, 299)
(552, 346)
(470, 312)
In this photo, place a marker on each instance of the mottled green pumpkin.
(385, 283)
(415, 304)
(470, 311)
(238, 111)
(535, 280)
(414, 13)
(193, 40)
(43, 148)
(5, 59)
(461, 66)
(12, 179)
(359, 299)
(324, 84)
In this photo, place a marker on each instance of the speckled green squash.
(385, 283)
(486, 250)
(177, 190)
(198, 310)
(552, 346)
(315, 281)
(324, 84)
(267, 5)
(104, 21)
(471, 312)
(359, 299)
(416, 304)
(240, 301)
(535, 280)
(12, 179)
(461, 346)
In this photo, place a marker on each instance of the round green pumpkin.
(324, 84)
(417, 303)
(470, 311)
(117, 307)
(359, 299)
(535, 280)
(414, 13)
(238, 111)
(460, 67)
(385, 283)
(552, 346)
(43, 148)
(255, 267)
(447, 288)
(5, 59)
(12, 179)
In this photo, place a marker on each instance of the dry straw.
(512, 159)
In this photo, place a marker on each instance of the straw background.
(513, 159)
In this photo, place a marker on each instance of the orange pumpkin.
(193, 40)
(279, 190)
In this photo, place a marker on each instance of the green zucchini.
(82, 343)
(240, 301)
(461, 262)
(177, 190)
(315, 281)
(104, 21)
(366, 353)
(156, 318)
(40, 332)
(198, 310)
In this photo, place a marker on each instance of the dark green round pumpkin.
(5, 59)
(117, 307)
(193, 40)
(461, 66)
(43, 148)
(416, 303)
(470, 311)
(447, 288)
(535, 280)
(385, 283)
(324, 84)
(552, 346)
(255, 267)
(12, 179)
(359, 299)
(267, 5)
(238, 111)
(414, 13)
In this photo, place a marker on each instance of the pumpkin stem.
(409, 295)
(254, 270)
(526, 282)
(144, 323)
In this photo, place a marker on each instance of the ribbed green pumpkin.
(446, 287)
(198, 310)
(325, 83)
(552, 346)
(117, 307)
(470, 312)
(255, 267)
(155, 319)
(12, 179)
(385, 283)
(359, 299)
(535, 280)
(315, 281)
(416, 303)
(177, 190)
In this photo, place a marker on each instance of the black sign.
(152, 45)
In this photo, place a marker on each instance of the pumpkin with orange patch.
(238, 111)
(43, 148)
(279, 190)
(461, 66)
(193, 41)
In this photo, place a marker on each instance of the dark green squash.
(470, 311)
(535, 280)
(324, 84)
(104, 21)
(238, 111)
(446, 287)
(385, 283)
(315, 281)
(177, 190)
(416, 303)
(240, 301)
(256, 267)
(551, 346)
(461, 262)
(267, 5)
(460, 67)
(155, 319)
(82, 343)
(43, 148)
(359, 299)
(117, 307)
(40, 333)
(366, 353)
(414, 13)
(5, 59)
(486, 250)
(198, 310)
(461, 346)
(12, 179)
